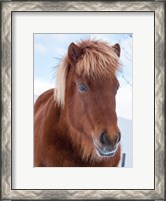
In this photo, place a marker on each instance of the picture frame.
(7, 8)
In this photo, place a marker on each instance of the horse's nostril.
(103, 138)
(106, 140)
(119, 136)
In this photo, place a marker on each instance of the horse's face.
(92, 110)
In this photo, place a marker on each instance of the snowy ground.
(125, 126)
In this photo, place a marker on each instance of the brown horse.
(76, 123)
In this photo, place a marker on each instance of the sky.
(50, 48)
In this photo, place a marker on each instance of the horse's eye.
(82, 87)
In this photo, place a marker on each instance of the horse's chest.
(58, 156)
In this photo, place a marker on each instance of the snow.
(125, 126)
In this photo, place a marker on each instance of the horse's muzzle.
(106, 151)
(107, 146)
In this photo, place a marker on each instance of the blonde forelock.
(98, 59)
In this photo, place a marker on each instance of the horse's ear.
(74, 52)
(116, 48)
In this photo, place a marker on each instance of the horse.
(75, 123)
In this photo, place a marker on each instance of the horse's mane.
(98, 60)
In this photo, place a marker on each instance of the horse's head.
(89, 100)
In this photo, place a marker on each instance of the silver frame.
(6, 146)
